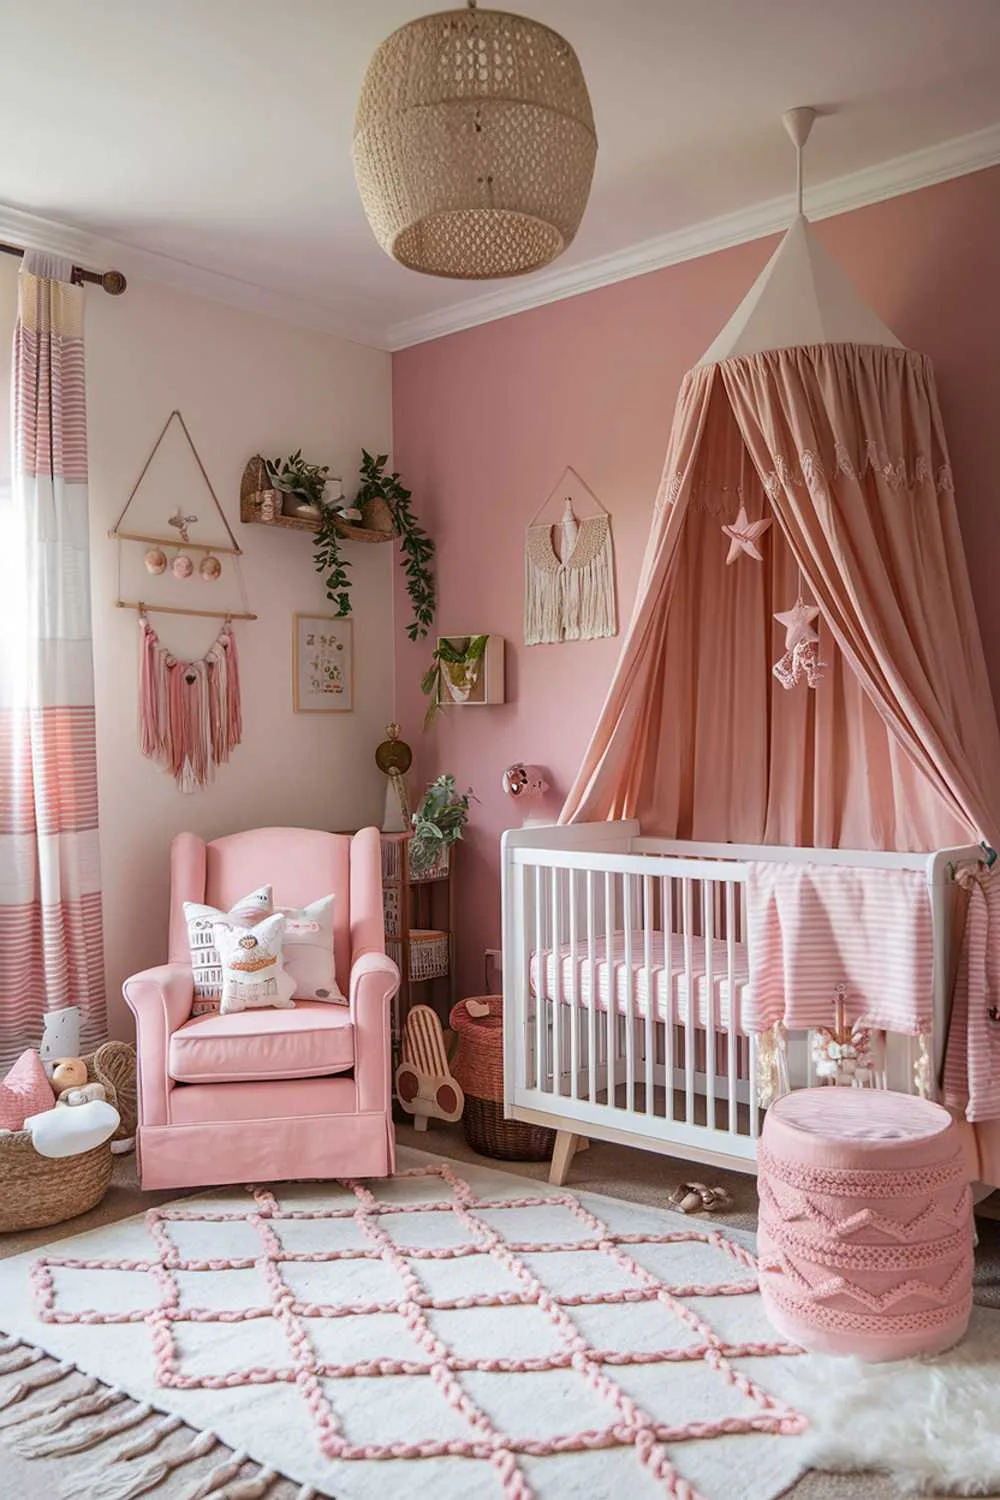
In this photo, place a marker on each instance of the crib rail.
(625, 971)
(628, 974)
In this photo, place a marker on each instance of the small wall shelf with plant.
(465, 670)
(293, 493)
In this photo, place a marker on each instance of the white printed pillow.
(308, 954)
(205, 960)
(253, 977)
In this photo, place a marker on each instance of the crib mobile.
(848, 1053)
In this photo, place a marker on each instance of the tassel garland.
(189, 711)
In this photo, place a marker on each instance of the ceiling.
(217, 133)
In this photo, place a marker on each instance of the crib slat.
(574, 997)
(688, 921)
(557, 985)
(708, 937)
(752, 1070)
(542, 988)
(649, 1033)
(667, 899)
(609, 972)
(591, 992)
(628, 918)
(734, 1009)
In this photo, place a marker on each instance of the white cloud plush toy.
(253, 977)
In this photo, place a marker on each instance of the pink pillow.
(25, 1091)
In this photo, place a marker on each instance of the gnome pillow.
(205, 962)
(253, 976)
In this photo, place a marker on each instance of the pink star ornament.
(743, 534)
(798, 624)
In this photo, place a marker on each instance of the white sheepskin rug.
(933, 1426)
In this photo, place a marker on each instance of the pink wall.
(486, 420)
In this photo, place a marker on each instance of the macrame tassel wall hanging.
(569, 584)
(189, 711)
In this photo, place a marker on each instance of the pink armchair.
(266, 1095)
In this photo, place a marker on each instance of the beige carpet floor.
(639, 1176)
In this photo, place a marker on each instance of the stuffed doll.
(252, 973)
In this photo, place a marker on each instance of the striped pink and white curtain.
(51, 944)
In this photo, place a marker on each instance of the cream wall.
(244, 383)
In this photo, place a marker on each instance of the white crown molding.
(101, 254)
(903, 174)
(889, 179)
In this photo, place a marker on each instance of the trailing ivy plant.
(437, 823)
(417, 547)
(449, 654)
(309, 482)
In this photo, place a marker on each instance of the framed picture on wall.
(322, 665)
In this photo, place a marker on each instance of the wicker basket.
(429, 953)
(478, 1067)
(38, 1190)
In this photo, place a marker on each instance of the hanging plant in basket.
(455, 667)
(386, 513)
(314, 494)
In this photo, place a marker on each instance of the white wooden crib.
(649, 1050)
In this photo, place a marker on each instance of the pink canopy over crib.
(806, 411)
(809, 413)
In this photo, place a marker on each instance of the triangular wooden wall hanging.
(209, 567)
(569, 568)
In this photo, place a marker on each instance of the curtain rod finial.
(114, 283)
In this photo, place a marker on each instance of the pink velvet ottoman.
(865, 1238)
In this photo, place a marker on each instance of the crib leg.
(566, 1146)
(420, 1122)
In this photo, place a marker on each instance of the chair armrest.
(160, 999)
(374, 981)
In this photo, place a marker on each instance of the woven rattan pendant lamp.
(474, 144)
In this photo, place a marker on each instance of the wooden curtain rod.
(113, 282)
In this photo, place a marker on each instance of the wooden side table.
(419, 932)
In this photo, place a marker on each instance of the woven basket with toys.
(58, 1134)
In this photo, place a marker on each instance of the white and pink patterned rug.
(452, 1331)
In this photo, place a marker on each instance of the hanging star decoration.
(801, 658)
(743, 535)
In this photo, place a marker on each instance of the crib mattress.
(665, 979)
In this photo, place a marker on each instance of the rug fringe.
(31, 1383)
(84, 1406)
(245, 1489)
(93, 1481)
(33, 1411)
(82, 1435)
(20, 1359)
(219, 1476)
(148, 1476)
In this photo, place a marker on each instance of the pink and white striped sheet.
(811, 928)
(972, 1058)
(50, 884)
(665, 978)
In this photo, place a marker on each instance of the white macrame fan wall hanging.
(569, 567)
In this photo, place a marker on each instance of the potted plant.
(455, 667)
(437, 823)
(306, 487)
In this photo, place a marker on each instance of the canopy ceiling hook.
(799, 122)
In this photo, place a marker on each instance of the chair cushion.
(252, 1045)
